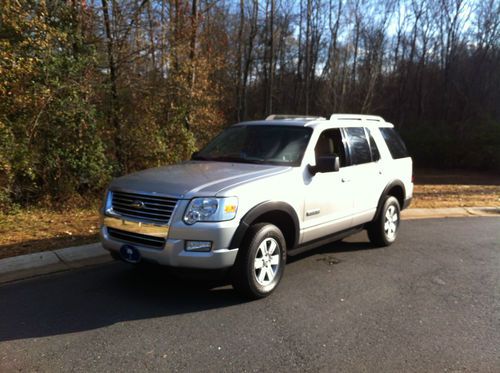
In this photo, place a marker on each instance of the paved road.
(431, 302)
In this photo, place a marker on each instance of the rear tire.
(384, 230)
(260, 262)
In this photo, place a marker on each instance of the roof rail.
(292, 117)
(374, 118)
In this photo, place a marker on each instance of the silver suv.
(261, 191)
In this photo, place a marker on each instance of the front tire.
(260, 262)
(384, 230)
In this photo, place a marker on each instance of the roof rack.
(373, 118)
(292, 117)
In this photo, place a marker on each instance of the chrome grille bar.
(136, 238)
(142, 206)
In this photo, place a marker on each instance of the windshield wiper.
(227, 159)
(237, 160)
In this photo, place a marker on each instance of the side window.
(358, 145)
(329, 143)
(373, 147)
(394, 143)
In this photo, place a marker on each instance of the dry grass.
(434, 196)
(37, 229)
(34, 230)
(455, 188)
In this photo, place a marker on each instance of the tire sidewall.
(267, 231)
(390, 201)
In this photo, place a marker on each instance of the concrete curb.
(30, 265)
(25, 266)
(451, 212)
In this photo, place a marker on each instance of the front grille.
(144, 207)
(137, 238)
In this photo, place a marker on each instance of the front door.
(328, 199)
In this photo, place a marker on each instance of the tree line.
(92, 89)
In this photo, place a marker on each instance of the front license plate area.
(130, 254)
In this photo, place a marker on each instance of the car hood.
(193, 178)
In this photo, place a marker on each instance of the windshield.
(280, 145)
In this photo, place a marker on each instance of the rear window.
(358, 145)
(394, 143)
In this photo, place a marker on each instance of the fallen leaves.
(435, 196)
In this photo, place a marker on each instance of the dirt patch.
(434, 196)
(34, 230)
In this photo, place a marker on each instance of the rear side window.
(394, 143)
(358, 145)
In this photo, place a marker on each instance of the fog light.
(198, 246)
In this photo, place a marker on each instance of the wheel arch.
(280, 214)
(395, 188)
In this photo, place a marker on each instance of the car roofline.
(335, 121)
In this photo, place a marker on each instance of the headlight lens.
(211, 209)
(106, 201)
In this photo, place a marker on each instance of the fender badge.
(312, 212)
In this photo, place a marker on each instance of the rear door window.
(359, 148)
(395, 144)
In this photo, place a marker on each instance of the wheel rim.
(391, 222)
(267, 261)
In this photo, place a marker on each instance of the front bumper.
(173, 253)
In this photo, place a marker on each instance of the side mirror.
(326, 163)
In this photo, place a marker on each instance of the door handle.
(345, 180)
(380, 172)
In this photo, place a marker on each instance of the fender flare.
(385, 192)
(255, 212)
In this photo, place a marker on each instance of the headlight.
(106, 201)
(211, 209)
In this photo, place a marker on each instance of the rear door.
(365, 173)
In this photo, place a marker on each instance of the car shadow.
(95, 297)
(332, 248)
(107, 294)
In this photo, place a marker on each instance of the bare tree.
(113, 117)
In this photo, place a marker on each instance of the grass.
(434, 196)
(40, 229)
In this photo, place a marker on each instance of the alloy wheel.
(267, 261)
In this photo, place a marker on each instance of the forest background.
(93, 89)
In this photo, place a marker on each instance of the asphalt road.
(430, 302)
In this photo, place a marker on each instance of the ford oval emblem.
(137, 204)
